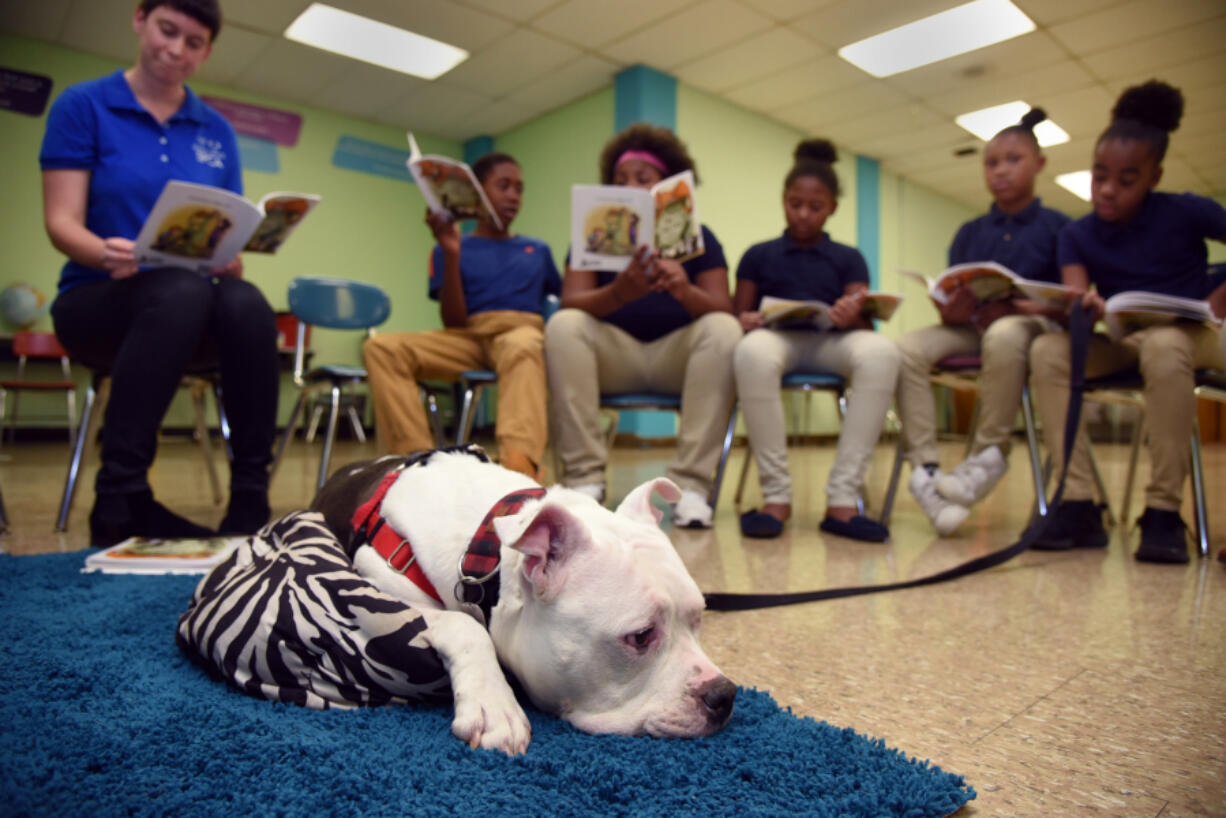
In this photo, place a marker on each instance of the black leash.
(1080, 326)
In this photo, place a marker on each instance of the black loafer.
(858, 527)
(1072, 524)
(1164, 537)
(761, 525)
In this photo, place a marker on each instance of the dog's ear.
(547, 535)
(637, 504)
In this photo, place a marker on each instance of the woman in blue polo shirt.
(806, 264)
(490, 286)
(111, 145)
(1018, 232)
(658, 325)
(1135, 239)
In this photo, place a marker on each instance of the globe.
(21, 305)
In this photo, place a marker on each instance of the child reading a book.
(806, 264)
(657, 325)
(1135, 239)
(1019, 233)
(490, 286)
(111, 145)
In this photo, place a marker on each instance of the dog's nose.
(718, 699)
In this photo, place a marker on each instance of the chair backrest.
(30, 344)
(337, 303)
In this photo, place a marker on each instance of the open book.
(990, 281)
(449, 186)
(201, 227)
(609, 223)
(137, 555)
(1132, 310)
(783, 313)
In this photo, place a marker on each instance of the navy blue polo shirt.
(1161, 249)
(99, 126)
(501, 274)
(1025, 241)
(784, 269)
(657, 314)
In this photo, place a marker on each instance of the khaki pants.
(1004, 347)
(507, 341)
(868, 360)
(586, 357)
(1167, 357)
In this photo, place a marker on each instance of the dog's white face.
(599, 619)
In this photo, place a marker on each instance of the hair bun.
(819, 150)
(1033, 117)
(1153, 103)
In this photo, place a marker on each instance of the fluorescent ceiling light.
(988, 122)
(361, 38)
(952, 32)
(1076, 183)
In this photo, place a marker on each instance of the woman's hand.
(668, 276)
(959, 308)
(636, 280)
(445, 231)
(232, 270)
(846, 311)
(1094, 303)
(118, 257)
(751, 321)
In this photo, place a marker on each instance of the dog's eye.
(641, 640)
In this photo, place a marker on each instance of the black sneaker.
(116, 517)
(1164, 537)
(1072, 524)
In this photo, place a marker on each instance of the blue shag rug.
(100, 715)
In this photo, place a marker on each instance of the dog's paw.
(491, 718)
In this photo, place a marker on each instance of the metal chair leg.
(723, 459)
(1138, 434)
(1198, 492)
(740, 483)
(223, 421)
(317, 413)
(333, 415)
(895, 472)
(355, 423)
(1100, 485)
(289, 432)
(433, 415)
(468, 408)
(202, 437)
(85, 432)
(1032, 448)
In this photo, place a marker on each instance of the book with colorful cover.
(1132, 310)
(202, 227)
(784, 313)
(989, 281)
(138, 555)
(609, 223)
(449, 186)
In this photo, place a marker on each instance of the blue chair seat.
(640, 400)
(337, 372)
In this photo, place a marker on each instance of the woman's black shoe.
(116, 517)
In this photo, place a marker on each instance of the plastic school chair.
(39, 346)
(332, 303)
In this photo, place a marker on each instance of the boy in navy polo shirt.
(1136, 239)
(110, 146)
(806, 264)
(657, 325)
(1021, 234)
(490, 286)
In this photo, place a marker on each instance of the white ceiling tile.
(267, 16)
(570, 82)
(838, 24)
(235, 49)
(496, 118)
(1050, 12)
(852, 132)
(362, 90)
(1129, 22)
(519, 10)
(435, 108)
(899, 146)
(43, 20)
(1154, 54)
(593, 23)
(858, 100)
(102, 27)
(753, 57)
(1033, 86)
(799, 82)
(1080, 111)
(676, 39)
(292, 71)
(1024, 53)
(784, 10)
(1178, 176)
(444, 20)
(511, 61)
(1076, 154)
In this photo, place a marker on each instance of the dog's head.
(599, 618)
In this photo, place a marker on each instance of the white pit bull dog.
(591, 610)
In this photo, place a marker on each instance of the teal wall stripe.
(642, 94)
(868, 215)
(477, 147)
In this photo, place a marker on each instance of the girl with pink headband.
(659, 325)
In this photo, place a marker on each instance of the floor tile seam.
(1031, 706)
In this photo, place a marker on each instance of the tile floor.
(1066, 684)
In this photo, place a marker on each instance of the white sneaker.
(692, 511)
(945, 516)
(593, 490)
(974, 477)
